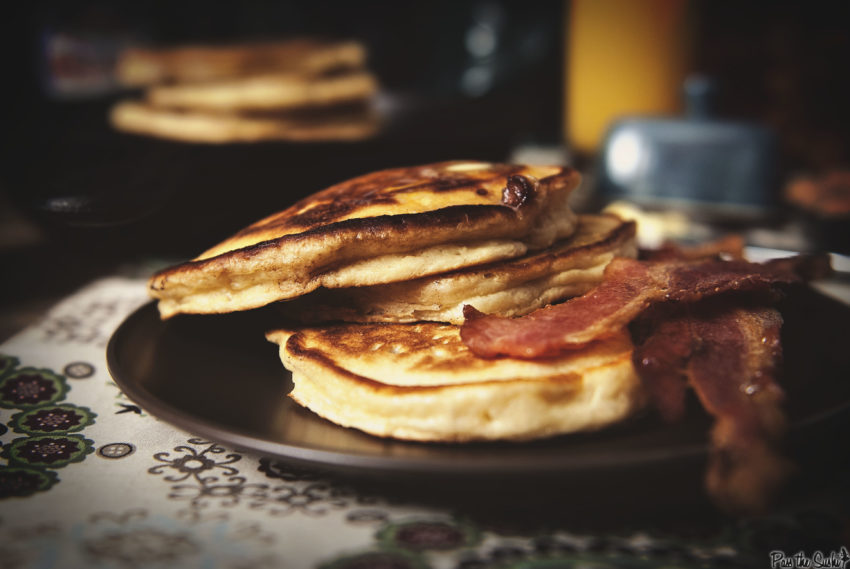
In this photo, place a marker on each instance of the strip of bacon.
(628, 288)
(739, 389)
(729, 355)
(731, 247)
(663, 346)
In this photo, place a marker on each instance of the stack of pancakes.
(301, 89)
(371, 276)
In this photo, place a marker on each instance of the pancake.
(139, 67)
(223, 128)
(388, 226)
(420, 382)
(266, 92)
(512, 287)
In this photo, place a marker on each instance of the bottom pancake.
(420, 382)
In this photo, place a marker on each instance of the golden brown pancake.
(511, 287)
(148, 66)
(388, 226)
(223, 128)
(266, 92)
(420, 382)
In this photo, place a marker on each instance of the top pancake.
(388, 226)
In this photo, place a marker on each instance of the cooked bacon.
(628, 288)
(624, 293)
(692, 327)
(730, 247)
(729, 355)
(663, 346)
(733, 373)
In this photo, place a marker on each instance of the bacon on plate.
(729, 355)
(697, 322)
(628, 288)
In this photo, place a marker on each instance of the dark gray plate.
(217, 377)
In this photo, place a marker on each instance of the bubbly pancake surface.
(512, 287)
(388, 226)
(420, 382)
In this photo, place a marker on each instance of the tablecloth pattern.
(90, 479)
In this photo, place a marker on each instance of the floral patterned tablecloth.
(89, 479)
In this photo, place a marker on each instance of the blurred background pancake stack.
(299, 90)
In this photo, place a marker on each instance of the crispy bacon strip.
(729, 355)
(622, 295)
(663, 346)
(731, 246)
(628, 288)
(688, 332)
